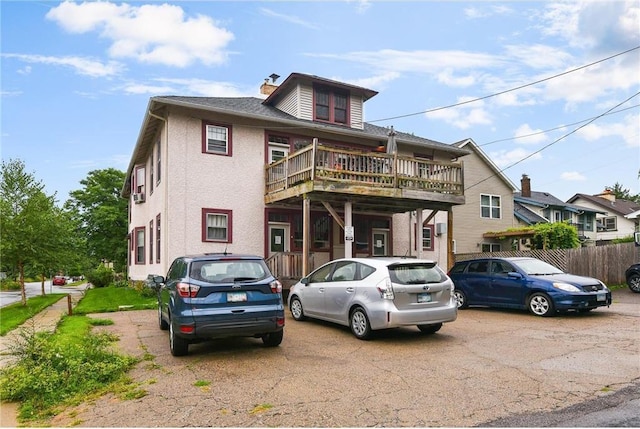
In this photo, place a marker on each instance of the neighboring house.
(297, 177)
(533, 207)
(615, 218)
(488, 204)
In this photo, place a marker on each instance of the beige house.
(613, 219)
(298, 177)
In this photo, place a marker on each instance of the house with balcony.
(297, 176)
(614, 219)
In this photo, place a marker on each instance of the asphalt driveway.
(487, 365)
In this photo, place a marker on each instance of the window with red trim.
(139, 245)
(216, 225)
(216, 138)
(158, 238)
(331, 105)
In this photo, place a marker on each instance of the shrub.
(9, 284)
(101, 276)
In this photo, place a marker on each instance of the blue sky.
(77, 76)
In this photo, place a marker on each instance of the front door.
(278, 238)
(380, 242)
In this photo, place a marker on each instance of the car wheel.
(161, 322)
(296, 309)
(430, 329)
(273, 339)
(541, 305)
(634, 283)
(359, 324)
(461, 298)
(178, 346)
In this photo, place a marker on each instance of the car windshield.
(536, 267)
(228, 271)
(416, 273)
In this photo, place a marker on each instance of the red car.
(59, 281)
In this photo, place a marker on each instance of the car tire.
(541, 305)
(177, 345)
(273, 339)
(161, 322)
(430, 329)
(634, 283)
(461, 299)
(359, 324)
(296, 309)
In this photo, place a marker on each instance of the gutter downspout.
(163, 218)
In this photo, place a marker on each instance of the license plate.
(424, 297)
(236, 296)
(601, 297)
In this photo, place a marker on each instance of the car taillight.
(385, 289)
(276, 286)
(187, 290)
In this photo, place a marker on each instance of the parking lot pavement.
(487, 365)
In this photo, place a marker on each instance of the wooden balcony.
(373, 181)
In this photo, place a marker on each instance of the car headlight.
(566, 287)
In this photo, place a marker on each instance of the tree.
(102, 216)
(33, 229)
(623, 193)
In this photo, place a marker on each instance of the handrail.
(318, 162)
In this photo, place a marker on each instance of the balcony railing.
(349, 167)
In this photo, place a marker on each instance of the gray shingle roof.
(619, 206)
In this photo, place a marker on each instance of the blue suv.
(217, 296)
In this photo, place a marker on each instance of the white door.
(278, 238)
(380, 238)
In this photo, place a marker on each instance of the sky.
(547, 89)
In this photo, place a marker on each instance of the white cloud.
(507, 158)
(572, 176)
(464, 116)
(378, 81)
(83, 66)
(207, 88)
(597, 25)
(627, 130)
(137, 88)
(447, 77)
(25, 71)
(527, 135)
(288, 18)
(156, 34)
(487, 11)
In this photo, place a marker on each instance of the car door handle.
(321, 289)
(350, 289)
(237, 311)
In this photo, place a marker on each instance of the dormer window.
(331, 105)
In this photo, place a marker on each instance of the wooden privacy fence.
(607, 263)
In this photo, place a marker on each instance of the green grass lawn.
(16, 314)
(108, 299)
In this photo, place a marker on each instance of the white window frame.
(216, 139)
(491, 207)
(606, 220)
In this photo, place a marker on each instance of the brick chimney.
(525, 185)
(607, 194)
(267, 87)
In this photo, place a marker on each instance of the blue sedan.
(525, 283)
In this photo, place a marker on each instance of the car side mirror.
(154, 281)
(515, 275)
(305, 281)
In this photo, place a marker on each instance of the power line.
(555, 141)
(555, 128)
(508, 90)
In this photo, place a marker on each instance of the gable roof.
(545, 199)
(526, 215)
(462, 144)
(619, 206)
(295, 78)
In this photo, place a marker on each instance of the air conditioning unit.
(138, 198)
(441, 228)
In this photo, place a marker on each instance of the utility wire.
(555, 141)
(508, 90)
(555, 128)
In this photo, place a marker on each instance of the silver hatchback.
(369, 294)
